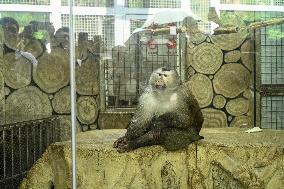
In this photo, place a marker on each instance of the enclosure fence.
(21, 144)
(116, 20)
(272, 74)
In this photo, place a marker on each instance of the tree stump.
(34, 47)
(242, 121)
(62, 37)
(201, 87)
(206, 58)
(229, 41)
(196, 38)
(61, 102)
(248, 94)
(52, 71)
(219, 101)
(214, 118)
(12, 40)
(27, 103)
(87, 77)
(231, 80)
(66, 126)
(237, 107)
(17, 72)
(10, 28)
(232, 56)
(87, 109)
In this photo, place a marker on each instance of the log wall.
(43, 89)
(219, 71)
(220, 75)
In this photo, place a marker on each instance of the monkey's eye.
(165, 75)
(160, 74)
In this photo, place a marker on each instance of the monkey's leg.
(148, 139)
(177, 138)
(151, 137)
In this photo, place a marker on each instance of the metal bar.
(20, 149)
(73, 92)
(34, 143)
(254, 79)
(27, 147)
(4, 154)
(12, 151)
(40, 137)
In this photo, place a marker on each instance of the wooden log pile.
(42, 87)
(219, 73)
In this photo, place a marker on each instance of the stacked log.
(219, 73)
(52, 72)
(29, 91)
(201, 87)
(87, 109)
(17, 72)
(65, 127)
(27, 103)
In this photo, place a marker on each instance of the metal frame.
(21, 144)
(118, 10)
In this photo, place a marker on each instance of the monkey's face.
(163, 79)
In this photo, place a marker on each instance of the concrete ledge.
(226, 158)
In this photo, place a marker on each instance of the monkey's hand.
(122, 145)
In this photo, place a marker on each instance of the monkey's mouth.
(160, 86)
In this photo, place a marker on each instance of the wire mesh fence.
(21, 144)
(128, 72)
(153, 3)
(201, 8)
(272, 73)
(90, 3)
(27, 2)
(93, 25)
(272, 112)
(247, 2)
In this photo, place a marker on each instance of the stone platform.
(227, 158)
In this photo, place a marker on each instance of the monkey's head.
(164, 79)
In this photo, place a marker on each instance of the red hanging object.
(172, 44)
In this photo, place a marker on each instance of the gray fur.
(167, 114)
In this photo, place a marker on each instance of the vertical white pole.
(73, 92)
(216, 4)
(55, 16)
(119, 22)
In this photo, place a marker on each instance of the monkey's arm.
(188, 113)
(139, 124)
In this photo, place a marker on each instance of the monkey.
(167, 114)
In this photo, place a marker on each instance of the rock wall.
(226, 158)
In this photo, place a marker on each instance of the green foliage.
(24, 18)
(275, 34)
(135, 3)
(42, 35)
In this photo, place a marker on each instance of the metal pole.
(73, 92)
